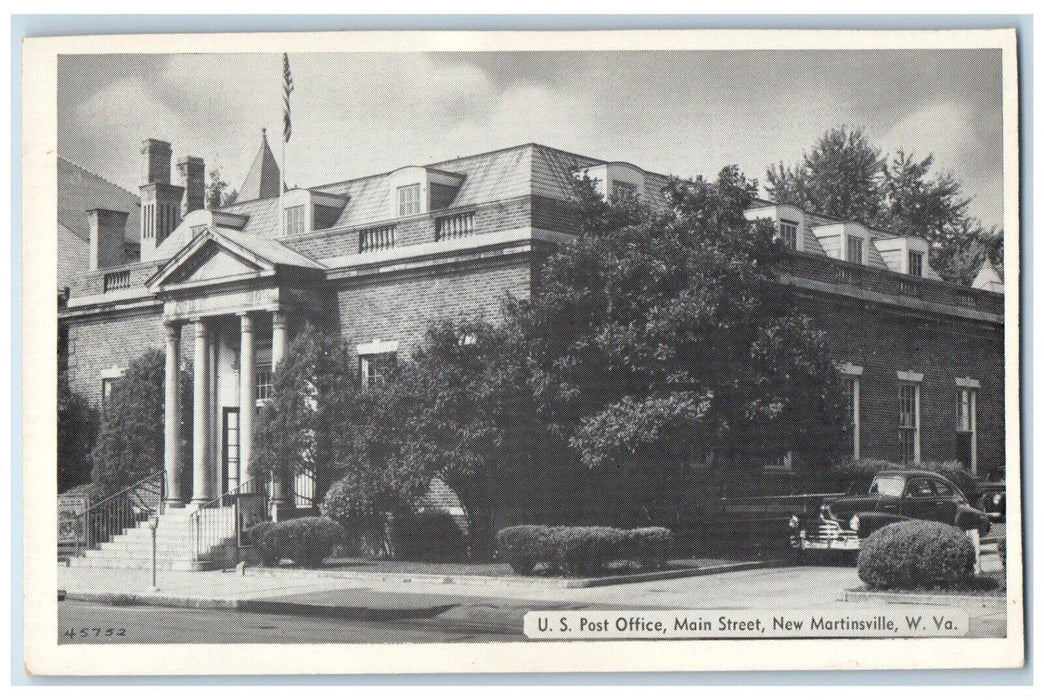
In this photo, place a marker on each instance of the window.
(623, 190)
(295, 220)
(263, 383)
(788, 231)
(374, 369)
(887, 486)
(966, 428)
(920, 487)
(916, 266)
(943, 489)
(409, 200)
(854, 249)
(909, 423)
(107, 387)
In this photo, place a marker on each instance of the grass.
(992, 583)
(498, 569)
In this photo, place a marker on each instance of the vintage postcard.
(442, 352)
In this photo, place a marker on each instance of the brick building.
(380, 257)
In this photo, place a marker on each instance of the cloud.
(964, 142)
(684, 113)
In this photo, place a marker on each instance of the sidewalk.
(456, 605)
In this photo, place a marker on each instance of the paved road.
(175, 625)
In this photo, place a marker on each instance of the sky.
(683, 113)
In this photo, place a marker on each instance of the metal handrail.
(210, 526)
(102, 521)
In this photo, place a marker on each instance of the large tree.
(845, 176)
(77, 430)
(295, 430)
(664, 337)
(840, 177)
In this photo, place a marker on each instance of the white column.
(172, 417)
(247, 395)
(278, 337)
(280, 486)
(202, 484)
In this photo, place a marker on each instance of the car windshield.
(887, 486)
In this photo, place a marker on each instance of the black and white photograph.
(542, 346)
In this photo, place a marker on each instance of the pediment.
(213, 262)
(210, 258)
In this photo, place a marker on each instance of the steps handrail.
(237, 491)
(128, 490)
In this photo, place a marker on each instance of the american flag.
(288, 87)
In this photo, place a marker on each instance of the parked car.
(894, 495)
(991, 496)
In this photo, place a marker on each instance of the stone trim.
(850, 370)
(377, 347)
(968, 383)
(113, 372)
(910, 376)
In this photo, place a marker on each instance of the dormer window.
(295, 220)
(624, 190)
(305, 211)
(409, 200)
(916, 263)
(788, 231)
(854, 249)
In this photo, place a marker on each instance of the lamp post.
(153, 523)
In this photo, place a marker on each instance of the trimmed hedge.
(582, 551)
(650, 547)
(429, 536)
(525, 546)
(917, 554)
(306, 541)
(1002, 552)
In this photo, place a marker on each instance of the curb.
(982, 601)
(517, 581)
(268, 607)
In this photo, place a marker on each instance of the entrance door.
(229, 448)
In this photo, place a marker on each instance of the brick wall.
(402, 308)
(884, 341)
(98, 344)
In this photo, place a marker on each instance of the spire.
(263, 179)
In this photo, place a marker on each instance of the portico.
(235, 305)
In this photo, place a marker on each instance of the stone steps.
(176, 544)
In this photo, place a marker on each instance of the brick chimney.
(190, 168)
(107, 248)
(155, 161)
(160, 200)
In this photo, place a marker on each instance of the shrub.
(307, 541)
(915, 554)
(855, 475)
(1002, 552)
(525, 546)
(429, 536)
(649, 547)
(584, 551)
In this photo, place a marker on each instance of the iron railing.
(229, 516)
(101, 522)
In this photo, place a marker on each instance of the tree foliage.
(77, 431)
(218, 192)
(664, 336)
(130, 442)
(846, 177)
(294, 432)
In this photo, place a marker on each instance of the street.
(93, 623)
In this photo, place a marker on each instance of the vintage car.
(894, 495)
